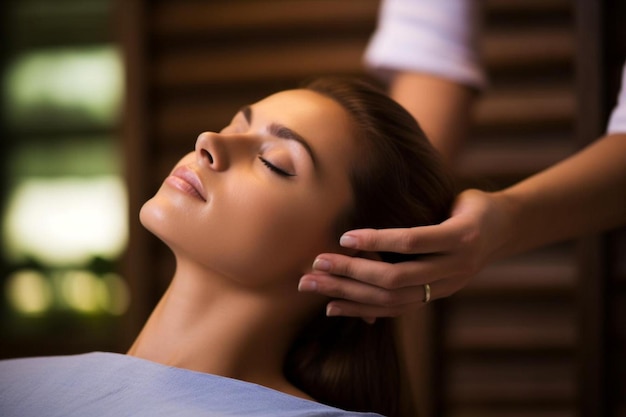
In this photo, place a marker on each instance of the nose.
(211, 152)
(218, 151)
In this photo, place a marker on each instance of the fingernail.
(307, 285)
(347, 241)
(321, 265)
(332, 311)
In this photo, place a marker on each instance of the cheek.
(274, 238)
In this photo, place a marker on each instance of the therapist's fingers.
(368, 271)
(426, 269)
(415, 240)
(382, 283)
(356, 291)
(353, 309)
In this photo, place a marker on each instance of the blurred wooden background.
(537, 335)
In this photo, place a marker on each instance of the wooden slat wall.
(616, 325)
(511, 343)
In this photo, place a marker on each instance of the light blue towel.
(108, 384)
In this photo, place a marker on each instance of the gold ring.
(426, 293)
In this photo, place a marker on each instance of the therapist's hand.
(449, 255)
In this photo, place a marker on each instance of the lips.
(187, 180)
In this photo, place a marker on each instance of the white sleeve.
(617, 121)
(432, 36)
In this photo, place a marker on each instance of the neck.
(210, 324)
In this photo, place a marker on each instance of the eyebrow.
(282, 132)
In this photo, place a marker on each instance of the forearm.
(444, 115)
(585, 193)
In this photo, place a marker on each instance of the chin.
(153, 218)
(159, 218)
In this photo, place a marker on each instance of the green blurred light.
(33, 293)
(75, 83)
(29, 292)
(66, 221)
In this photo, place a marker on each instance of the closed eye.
(275, 169)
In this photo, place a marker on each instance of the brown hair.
(398, 181)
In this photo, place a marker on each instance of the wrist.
(505, 209)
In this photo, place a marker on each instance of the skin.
(579, 195)
(444, 117)
(232, 308)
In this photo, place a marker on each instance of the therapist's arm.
(441, 106)
(585, 193)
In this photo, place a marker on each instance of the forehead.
(323, 122)
(304, 107)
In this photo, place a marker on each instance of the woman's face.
(259, 200)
